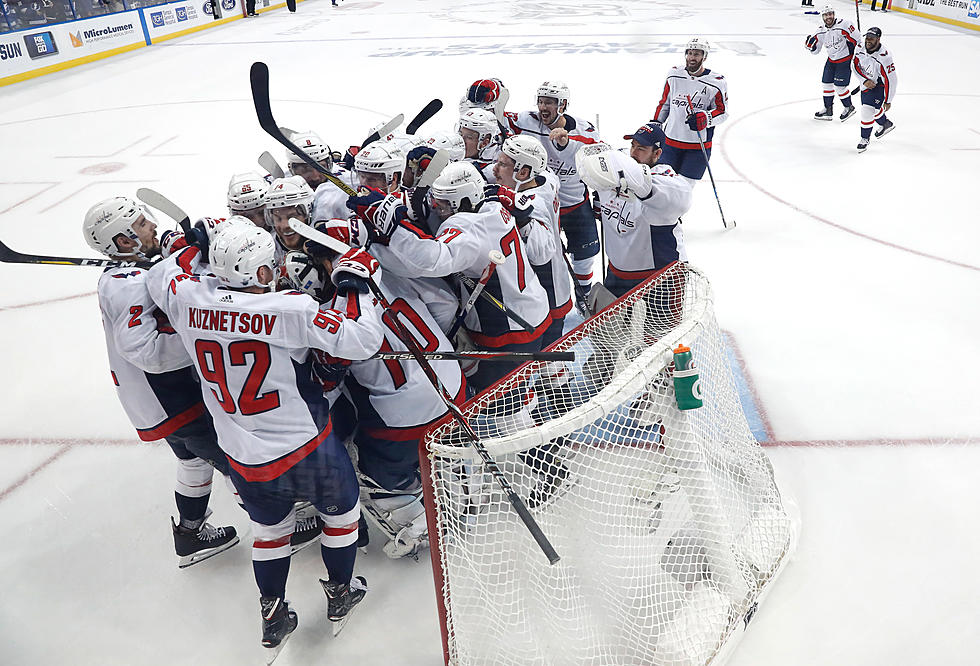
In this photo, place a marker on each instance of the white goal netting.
(668, 523)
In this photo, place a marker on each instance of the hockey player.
(152, 373)
(381, 165)
(641, 201)
(246, 192)
(251, 352)
(394, 400)
(286, 198)
(470, 228)
(329, 201)
(874, 64)
(839, 37)
(522, 167)
(682, 124)
(481, 136)
(563, 135)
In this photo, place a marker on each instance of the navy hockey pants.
(578, 223)
(197, 439)
(687, 162)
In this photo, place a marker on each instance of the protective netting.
(668, 522)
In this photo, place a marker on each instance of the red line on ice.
(53, 300)
(33, 472)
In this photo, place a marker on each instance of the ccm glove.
(383, 212)
(811, 43)
(172, 241)
(699, 120)
(516, 203)
(353, 270)
(328, 371)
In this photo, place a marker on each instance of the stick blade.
(431, 109)
(259, 78)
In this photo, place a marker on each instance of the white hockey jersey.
(551, 269)
(329, 201)
(839, 40)
(561, 161)
(463, 244)
(878, 67)
(147, 360)
(642, 228)
(708, 92)
(395, 399)
(251, 352)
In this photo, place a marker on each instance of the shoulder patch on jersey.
(127, 274)
(719, 77)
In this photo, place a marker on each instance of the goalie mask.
(108, 219)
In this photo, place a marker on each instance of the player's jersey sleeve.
(352, 329)
(820, 35)
(457, 247)
(719, 103)
(663, 106)
(669, 198)
(850, 34)
(888, 76)
(162, 278)
(330, 203)
(538, 237)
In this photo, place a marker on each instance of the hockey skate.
(885, 129)
(408, 542)
(278, 622)
(862, 145)
(341, 599)
(193, 546)
(848, 112)
(308, 528)
(826, 114)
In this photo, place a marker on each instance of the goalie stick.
(704, 152)
(491, 465)
(10, 256)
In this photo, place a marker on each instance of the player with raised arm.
(153, 373)
(523, 178)
(839, 37)
(483, 94)
(641, 201)
(562, 136)
(481, 135)
(874, 64)
(470, 229)
(251, 349)
(682, 124)
(246, 197)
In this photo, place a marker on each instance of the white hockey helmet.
(286, 192)
(237, 253)
(526, 151)
(698, 44)
(405, 142)
(451, 142)
(246, 192)
(302, 273)
(827, 9)
(384, 157)
(460, 185)
(481, 121)
(107, 219)
(311, 144)
(556, 89)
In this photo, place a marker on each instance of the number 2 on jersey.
(211, 362)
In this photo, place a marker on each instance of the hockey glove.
(201, 235)
(811, 43)
(339, 229)
(172, 241)
(698, 121)
(418, 159)
(516, 203)
(353, 270)
(328, 371)
(348, 160)
(383, 212)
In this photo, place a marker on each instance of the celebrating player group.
(271, 345)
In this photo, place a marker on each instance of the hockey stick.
(431, 109)
(166, 206)
(478, 355)
(9, 256)
(384, 129)
(704, 152)
(857, 12)
(291, 6)
(259, 77)
(581, 301)
(490, 298)
(496, 258)
(269, 163)
(499, 110)
(403, 334)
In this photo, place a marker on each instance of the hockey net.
(668, 523)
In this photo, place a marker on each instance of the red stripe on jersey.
(719, 105)
(581, 139)
(684, 144)
(273, 470)
(561, 310)
(168, 427)
(663, 100)
(275, 543)
(568, 209)
(857, 68)
(631, 275)
(412, 433)
(184, 258)
(114, 380)
(884, 78)
(511, 338)
(415, 230)
(844, 59)
(353, 307)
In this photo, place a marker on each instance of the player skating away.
(470, 228)
(153, 373)
(394, 401)
(251, 349)
(708, 91)
(875, 66)
(481, 136)
(522, 166)
(641, 201)
(839, 37)
(246, 197)
(562, 136)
